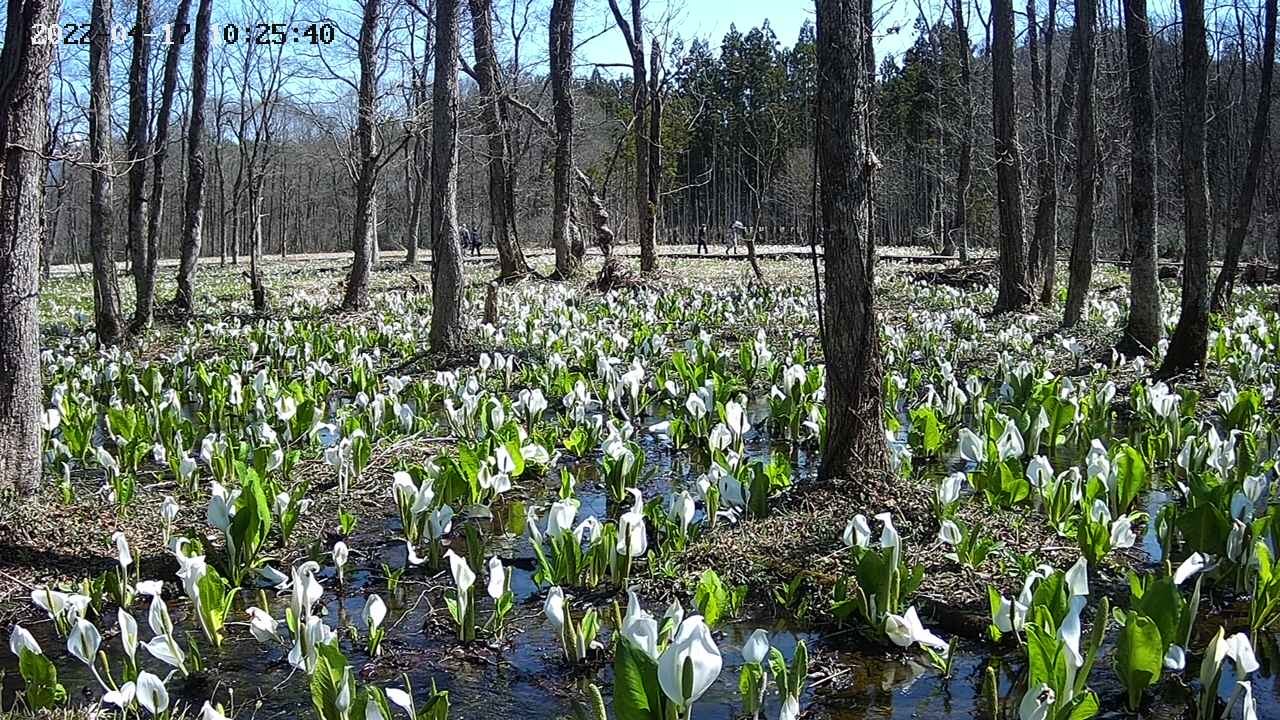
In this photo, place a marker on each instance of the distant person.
(736, 233)
(471, 239)
(702, 240)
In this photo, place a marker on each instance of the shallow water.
(525, 677)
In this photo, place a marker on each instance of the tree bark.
(603, 233)
(958, 229)
(1081, 267)
(561, 48)
(1145, 324)
(1190, 340)
(193, 224)
(1014, 290)
(24, 92)
(446, 250)
(1243, 211)
(257, 289)
(139, 145)
(1037, 127)
(362, 230)
(855, 442)
(1046, 218)
(421, 171)
(646, 212)
(653, 203)
(106, 300)
(495, 125)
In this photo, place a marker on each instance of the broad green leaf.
(1139, 656)
(635, 684)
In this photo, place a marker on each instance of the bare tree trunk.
(1190, 339)
(1014, 291)
(562, 113)
(446, 251)
(958, 228)
(603, 233)
(55, 224)
(375, 249)
(633, 33)
(421, 157)
(258, 290)
(1145, 324)
(106, 300)
(855, 441)
(362, 239)
(420, 173)
(1034, 262)
(139, 145)
(493, 119)
(24, 92)
(192, 228)
(1046, 219)
(285, 209)
(649, 250)
(1243, 211)
(1081, 267)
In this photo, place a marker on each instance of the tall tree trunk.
(420, 173)
(24, 93)
(446, 250)
(561, 47)
(1014, 291)
(855, 441)
(258, 290)
(1037, 128)
(285, 209)
(1190, 339)
(1081, 267)
(374, 247)
(1145, 324)
(192, 227)
(139, 145)
(633, 34)
(106, 300)
(958, 229)
(362, 230)
(1046, 219)
(1243, 211)
(421, 156)
(649, 250)
(494, 123)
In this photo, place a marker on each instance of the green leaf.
(1139, 656)
(711, 597)
(1083, 706)
(215, 604)
(1132, 476)
(1205, 528)
(252, 521)
(635, 684)
(1051, 594)
(1162, 604)
(1046, 662)
(327, 680)
(778, 666)
(925, 430)
(43, 688)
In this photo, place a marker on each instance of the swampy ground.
(788, 561)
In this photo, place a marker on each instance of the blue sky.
(712, 18)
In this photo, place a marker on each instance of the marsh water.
(524, 676)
